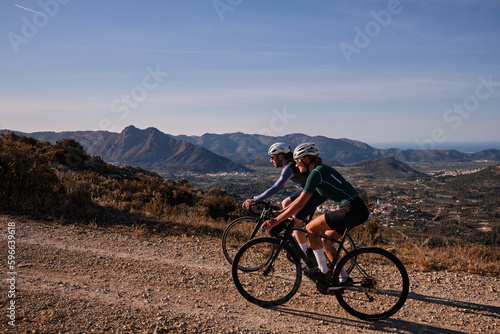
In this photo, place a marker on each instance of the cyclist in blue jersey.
(330, 183)
(282, 156)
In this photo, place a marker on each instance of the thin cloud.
(30, 10)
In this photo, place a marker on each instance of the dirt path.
(74, 280)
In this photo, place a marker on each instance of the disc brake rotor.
(370, 285)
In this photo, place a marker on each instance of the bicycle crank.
(328, 290)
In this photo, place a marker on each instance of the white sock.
(343, 275)
(304, 247)
(321, 259)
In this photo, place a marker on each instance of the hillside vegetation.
(387, 166)
(62, 183)
(150, 149)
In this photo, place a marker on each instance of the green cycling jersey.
(330, 184)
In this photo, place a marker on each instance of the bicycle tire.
(380, 284)
(266, 289)
(237, 233)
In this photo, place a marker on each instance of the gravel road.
(70, 279)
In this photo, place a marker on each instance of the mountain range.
(150, 149)
(154, 150)
(252, 149)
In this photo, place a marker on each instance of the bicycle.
(246, 228)
(243, 229)
(267, 272)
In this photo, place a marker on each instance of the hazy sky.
(377, 71)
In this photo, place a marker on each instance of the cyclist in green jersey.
(281, 156)
(330, 183)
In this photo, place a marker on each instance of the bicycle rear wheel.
(273, 279)
(237, 233)
(380, 284)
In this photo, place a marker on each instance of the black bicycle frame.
(264, 215)
(288, 237)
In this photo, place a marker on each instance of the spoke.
(380, 284)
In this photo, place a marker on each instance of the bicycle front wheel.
(237, 233)
(274, 276)
(379, 287)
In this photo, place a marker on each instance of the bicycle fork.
(269, 269)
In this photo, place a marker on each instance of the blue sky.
(426, 72)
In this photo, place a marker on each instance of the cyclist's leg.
(337, 222)
(314, 201)
(313, 229)
(329, 246)
(300, 237)
(331, 252)
(316, 226)
(334, 223)
(348, 216)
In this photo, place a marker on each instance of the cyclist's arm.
(294, 207)
(312, 182)
(286, 174)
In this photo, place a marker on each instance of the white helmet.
(305, 149)
(278, 148)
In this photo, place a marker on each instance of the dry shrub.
(472, 258)
(368, 234)
(24, 167)
(217, 203)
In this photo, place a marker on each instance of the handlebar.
(258, 206)
(262, 209)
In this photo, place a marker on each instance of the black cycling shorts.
(348, 216)
(314, 201)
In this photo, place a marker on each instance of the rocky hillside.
(149, 149)
(386, 166)
(485, 182)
